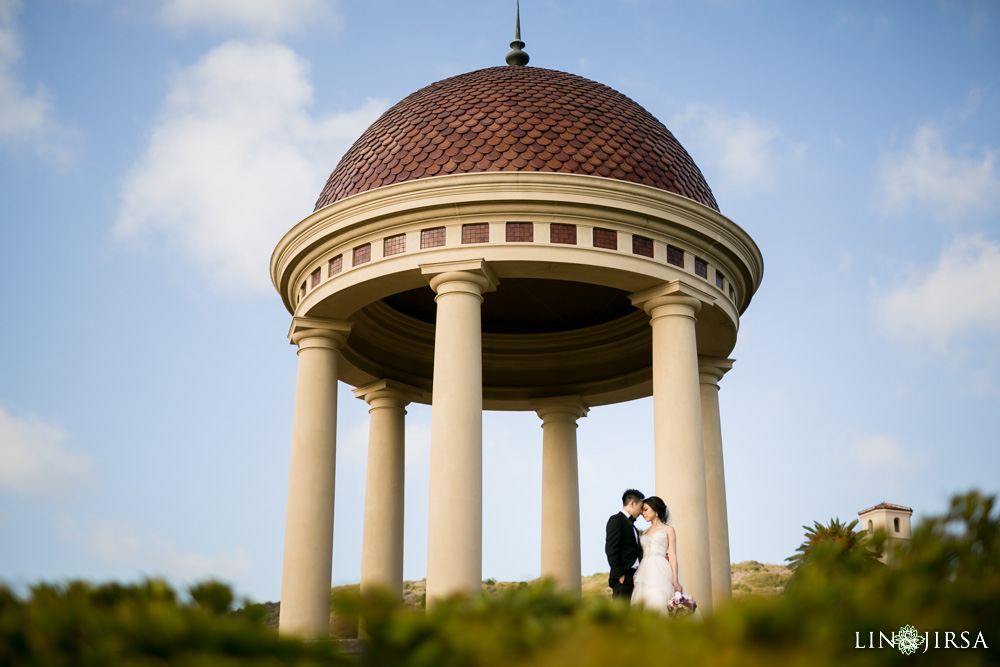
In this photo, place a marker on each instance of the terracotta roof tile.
(513, 119)
(887, 506)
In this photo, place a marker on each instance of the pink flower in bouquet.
(681, 605)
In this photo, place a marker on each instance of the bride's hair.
(657, 506)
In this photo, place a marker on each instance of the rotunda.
(513, 238)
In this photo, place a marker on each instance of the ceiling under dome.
(530, 306)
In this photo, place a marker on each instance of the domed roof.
(517, 119)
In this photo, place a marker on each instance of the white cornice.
(540, 195)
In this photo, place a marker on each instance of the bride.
(656, 579)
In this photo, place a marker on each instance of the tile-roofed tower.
(893, 520)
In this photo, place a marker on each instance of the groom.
(621, 544)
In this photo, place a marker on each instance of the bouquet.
(681, 605)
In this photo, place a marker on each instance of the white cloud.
(745, 151)
(26, 116)
(265, 17)
(150, 554)
(235, 160)
(958, 296)
(925, 175)
(884, 453)
(36, 458)
(10, 48)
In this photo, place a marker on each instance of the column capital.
(475, 276)
(322, 332)
(711, 369)
(560, 409)
(673, 293)
(386, 393)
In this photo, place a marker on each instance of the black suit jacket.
(621, 546)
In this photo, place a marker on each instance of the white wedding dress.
(654, 587)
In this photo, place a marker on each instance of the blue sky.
(153, 152)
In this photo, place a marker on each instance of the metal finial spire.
(517, 21)
(517, 56)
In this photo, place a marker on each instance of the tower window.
(642, 246)
(335, 266)
(302, 290)
(476, 233)
(871, 526)
(562, 234)
(718, 279)
(895, 524)
(605, 238)
(316, 276)
(520, 232)
(700, 268)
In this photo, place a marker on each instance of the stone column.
(455, 507)
(308, 562)
(561, 491)
(711, 370)
(382, 543)
(679, 457)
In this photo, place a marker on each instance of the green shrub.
(751, 565)
(80, 624)
(212, 596)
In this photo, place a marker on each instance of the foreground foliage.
(81, 624)
(946, 580)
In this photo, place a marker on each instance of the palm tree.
(835, 543)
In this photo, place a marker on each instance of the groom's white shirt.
(634, 532)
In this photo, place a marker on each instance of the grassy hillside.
(753, 578)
